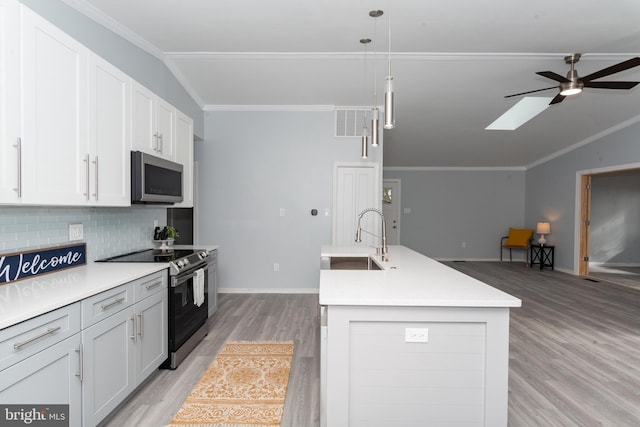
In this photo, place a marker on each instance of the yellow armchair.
(518, 238)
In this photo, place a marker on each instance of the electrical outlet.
(155, 223)
(76, 232)
(276, 266)
(464, 244)
(282, 211)
(416, 334)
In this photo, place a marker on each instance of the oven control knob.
(204, 254)
(180, 264)
(186, 261)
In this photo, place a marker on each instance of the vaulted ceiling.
(453, 62)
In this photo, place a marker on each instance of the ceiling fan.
(572, 84)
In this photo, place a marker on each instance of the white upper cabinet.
(69, 119)
(9, 101)
(154, 122)
(184, 156)
(55, 162)
(109, 134)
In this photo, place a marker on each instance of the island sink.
(349, 263)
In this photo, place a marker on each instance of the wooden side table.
(542, 255)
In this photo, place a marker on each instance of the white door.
(391, 209)
(55, 156)
(109, 133)
(51, 376)
(108, 365)
(151, 335)
(165, 126)
(184, 156)
(9, 101)
(144, 122)
(356, 187)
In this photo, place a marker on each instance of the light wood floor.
(574, 351)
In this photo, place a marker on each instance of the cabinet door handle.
(161, 142)
(19, 182)
(153, 285)
(133, 322)
(95, 162)
(80, 351)
(114, 302)
(86, 160)
(155, 137)
(49, 331)
(140, 331)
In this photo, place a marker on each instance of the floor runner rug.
(245, 386)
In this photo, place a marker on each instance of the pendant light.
(389, 103)
(375, 112)
(365, 130)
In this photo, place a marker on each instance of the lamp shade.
(543, 228)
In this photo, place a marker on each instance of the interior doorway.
(610, 225)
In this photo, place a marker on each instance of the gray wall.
(250, 165)
(139, 64)
(449, 207)
(615, 218)
(551, 186)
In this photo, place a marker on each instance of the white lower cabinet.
(108, 365)
(51, 377)
(40, 362)
(122, 349)
(151, 335)
(91, 354)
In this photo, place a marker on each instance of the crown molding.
(269, 108)
(111, 24)
(452, 168)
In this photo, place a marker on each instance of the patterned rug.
(245, 386)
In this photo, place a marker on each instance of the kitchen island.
(413, 343)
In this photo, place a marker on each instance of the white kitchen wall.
(250, 166)
(459, 214)
(107, 231)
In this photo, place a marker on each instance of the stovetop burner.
(151, 255)
(178, 259)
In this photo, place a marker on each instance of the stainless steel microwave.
(155, 180)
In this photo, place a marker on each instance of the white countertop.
(407, 279)
(29, 298)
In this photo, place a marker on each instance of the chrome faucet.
(379, 251)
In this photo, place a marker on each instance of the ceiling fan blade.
(553, 76)
(559, 98)
(610, 85)
(531, 91)
(625, 65)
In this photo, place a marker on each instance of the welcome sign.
(24, 265)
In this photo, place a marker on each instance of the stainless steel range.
(192, 294)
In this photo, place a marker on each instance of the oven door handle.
(178, 280)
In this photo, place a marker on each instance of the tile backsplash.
(107, 231)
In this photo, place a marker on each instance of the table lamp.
(543, 228)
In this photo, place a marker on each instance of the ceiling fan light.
(571, 88)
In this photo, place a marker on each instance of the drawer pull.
(154, 285)
(141, 326)
(80, 352)
(49, 331)
(112, 303)
(133, 324)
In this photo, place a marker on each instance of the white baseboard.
(268, 290)
(613, 264)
